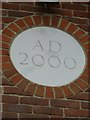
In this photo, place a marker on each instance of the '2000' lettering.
(53, 61)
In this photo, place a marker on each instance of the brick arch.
(32, 89)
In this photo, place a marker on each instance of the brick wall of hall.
(15, 102)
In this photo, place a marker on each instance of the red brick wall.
(19, 102)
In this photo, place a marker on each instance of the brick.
(82, 14)
(8, 19)
(84, 39)
(68, 13)
(10, 99)
(75, 88)
(65, 103)
(85, 27)
(37, 20)
(5, 58)
(6, 38)
(85, 105)
(82, 84)
(79, 33)
(31, 89)
(81, 96)
(26, 115)
(0, 44)
(28, 8)
(87, 72)
(76, 113)
(40, 91)
(10, 6)
(6, 66)
(72, 28)
(67, 91)
(18, 13)
(17, 108)
(10, 73)
(28, 21)
(13, 90)
(84, 77)
(78, 20)
(55, 21)
(9, 115)
(6, 82)
(4, 52)
(34, 101)
(53, 5)
(15, 79)
(88, 90)
(4, 12)
(58, 92)
(87, 46)
(5, 45)
(23, 84)
(49, 92)
(73, 6)
(63, 24)
(48, 111)
(21, 24)
(8, 32)
(46, 20)
(40, 4)
(14, 27)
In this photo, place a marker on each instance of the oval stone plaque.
(47, 56)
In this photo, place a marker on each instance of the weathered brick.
(18, 13)
(14, 27)
(21, 24)
(40, 91)
(79, 33)
(9, 73)
(23, 84)
(46, 20)
(10, 99)
(72, 28)
(5, 58)
(84, 39)
(36, 116)
(10, 6)
(15, 79)
(65, 103)
(55, 21)
(34, 101)
(85, 105)
(75, 88)
(49, 92)
(6, 66)
(48, 111)
(37, 20)
(6, 38)
(31, 89)
(73, 6)
(5, 45)
(76, 113)
(17, 108)
(8, 32)
(13, 90)
(28, 21)
(67, 91)
(64, 24)
(9, 115)
(58, 92)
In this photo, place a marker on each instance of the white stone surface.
(47, 56)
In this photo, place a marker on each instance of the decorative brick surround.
(29, 88)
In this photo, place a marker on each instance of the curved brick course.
(29, 88)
